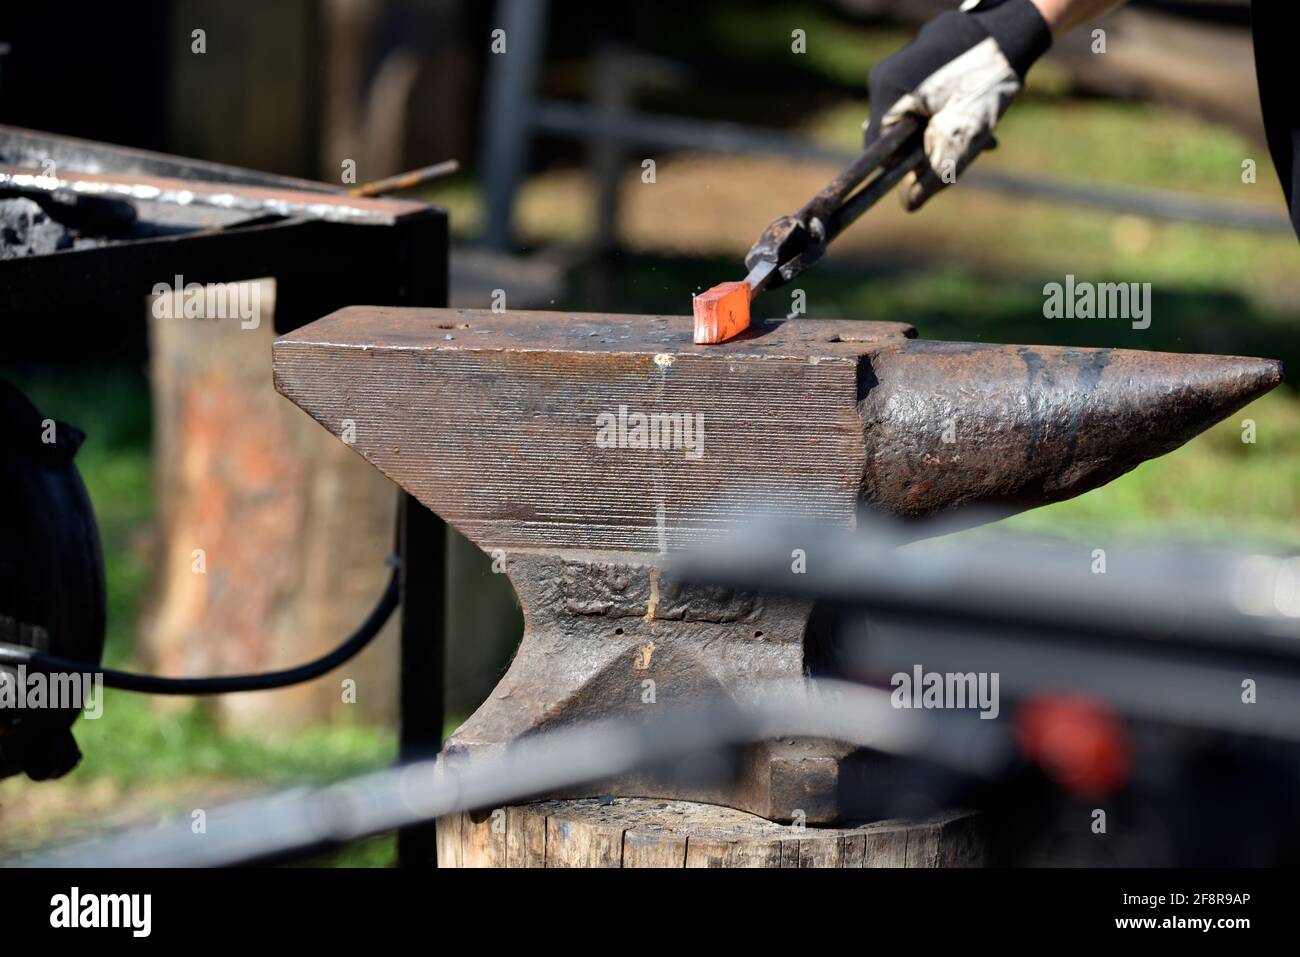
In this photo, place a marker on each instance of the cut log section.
(644, 832)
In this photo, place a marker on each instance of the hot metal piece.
(579, 448)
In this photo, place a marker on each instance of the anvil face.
(582, 447)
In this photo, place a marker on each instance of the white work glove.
(959, 75)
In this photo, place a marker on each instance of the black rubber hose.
(225, 684)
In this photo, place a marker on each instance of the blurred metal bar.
(278, 826)
(1162, 635)
(1155, 203)
(613, 96)
(1200, 596)
(580, 121)
(512, 82)
(423, 541)
(940, 593)
(423, 655)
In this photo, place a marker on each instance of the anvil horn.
(494, 421)
(955, 423)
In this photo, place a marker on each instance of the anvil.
(577, 449)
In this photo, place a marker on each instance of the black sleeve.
(1274, 23)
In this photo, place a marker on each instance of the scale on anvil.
(134, 219)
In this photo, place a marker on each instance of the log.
(644, 832)
(272, 536)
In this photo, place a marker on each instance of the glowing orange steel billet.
(721, 313)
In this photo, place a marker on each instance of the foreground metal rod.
(1182, 593)
(1166, 635)
(675, 738)
(421, 705)
(302, 820)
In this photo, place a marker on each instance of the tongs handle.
(892, 145)
(908, 155)
(793, 243)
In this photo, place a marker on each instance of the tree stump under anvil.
(647, 832)
(578, 449)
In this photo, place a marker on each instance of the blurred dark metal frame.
(318, 267)
(1161, 642)
(515, 113)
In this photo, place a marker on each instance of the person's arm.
(1062, 16)
(961, 73)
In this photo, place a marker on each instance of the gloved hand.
(960, 73)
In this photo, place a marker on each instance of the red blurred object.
(1077, 741)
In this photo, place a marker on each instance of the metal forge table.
(396, 254)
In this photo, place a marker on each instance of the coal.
(28, 230)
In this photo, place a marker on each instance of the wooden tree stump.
(645, 832)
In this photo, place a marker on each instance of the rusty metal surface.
(93, 289)
(580, 656)
(1030, 425)
(604, 636)
(35, 150)
(241, 198)
(491, 421)
(24, 147)
(565, 333)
